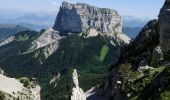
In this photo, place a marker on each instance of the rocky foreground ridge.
(13, 89)
(142, 71)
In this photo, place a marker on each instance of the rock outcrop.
(77, 92)
(77, 18)
(8, 40)
(13, 89)
(164, 22)
(45, 44)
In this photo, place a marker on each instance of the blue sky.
(138, 8)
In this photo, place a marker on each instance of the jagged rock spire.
(77, 92)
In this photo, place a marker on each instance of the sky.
(137, 8)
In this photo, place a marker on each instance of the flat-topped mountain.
(77, 18)
(86, 37)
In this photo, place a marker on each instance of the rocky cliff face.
(140, 53)
(77, 92)
(164, 21)
(77, 18)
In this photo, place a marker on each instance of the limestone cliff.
(164, 22)
(77, 18)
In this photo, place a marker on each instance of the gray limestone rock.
(77, 92)
(164, 22)
(77, 18)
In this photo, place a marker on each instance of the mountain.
(132, 25)
(80, 21)
(132, 32)
(84, 37)
(131, 21)
(72, 60)
(7, 14)
(142, 71)
(133, 61)
(35, 21)
(9, 30)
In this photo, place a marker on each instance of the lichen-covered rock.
(164, 22)
(77, 92)
(77, 18)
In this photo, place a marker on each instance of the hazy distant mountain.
(131, 21)
(7, 14)
(8, 30)
(132, 32)
(132, 25)
(36, 21)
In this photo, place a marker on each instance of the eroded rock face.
(164, 22)
(47, 37)
(77, 92)
(8, 40)
(13, 89)
(77, 18)
(46, 44)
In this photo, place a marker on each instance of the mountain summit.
(77, 18)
